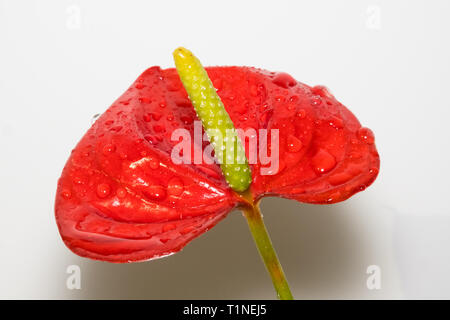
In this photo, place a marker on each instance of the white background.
(63, 61)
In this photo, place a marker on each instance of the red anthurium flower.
(121, 198)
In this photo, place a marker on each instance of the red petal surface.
(121, 198)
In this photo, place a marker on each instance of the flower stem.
(266, 250)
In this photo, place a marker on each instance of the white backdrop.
(63, 61)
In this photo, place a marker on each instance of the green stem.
(267, 252)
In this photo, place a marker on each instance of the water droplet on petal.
(121, 193)
(156, 116)
(125, 102)
(103, 190)
(316, 101)
(116, 128)
(301, 113)
(366, 135)
(336, 122)
(322, 91)
(66, 194)
(323, 161)
(284, 80)
(151, 139)
(159, 128)
(108, 149)
(187, 119)
(153, 163)
(280, 98)
(147, 117)
(294, 144)
(155, 192)
(373, 171)
(123, 156)
(175, 186)
(144, 100)
(78, 179)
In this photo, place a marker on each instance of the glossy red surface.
(121, 198)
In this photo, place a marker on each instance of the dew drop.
(337, 123)
(108, 149)
(116, 128)
(323, 161)
(103, 190)
(316, 101)
(121, 193)
(125, 102)
(79, 180)
(144, 100)
(147, 117)
(293, 99)
(151, 139)
(294, 144)
(175, 186)
(153, 163)
(66, 194)
(322, 91)
(156, 116)
(280, 99)
(366, 135)
(123, 156)
(301, 113)
(264, 118)
(155, 192)
(355, 155)
(284, 80)
(187, 119)
(373, 171)
(159, 128)
(183, 103)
